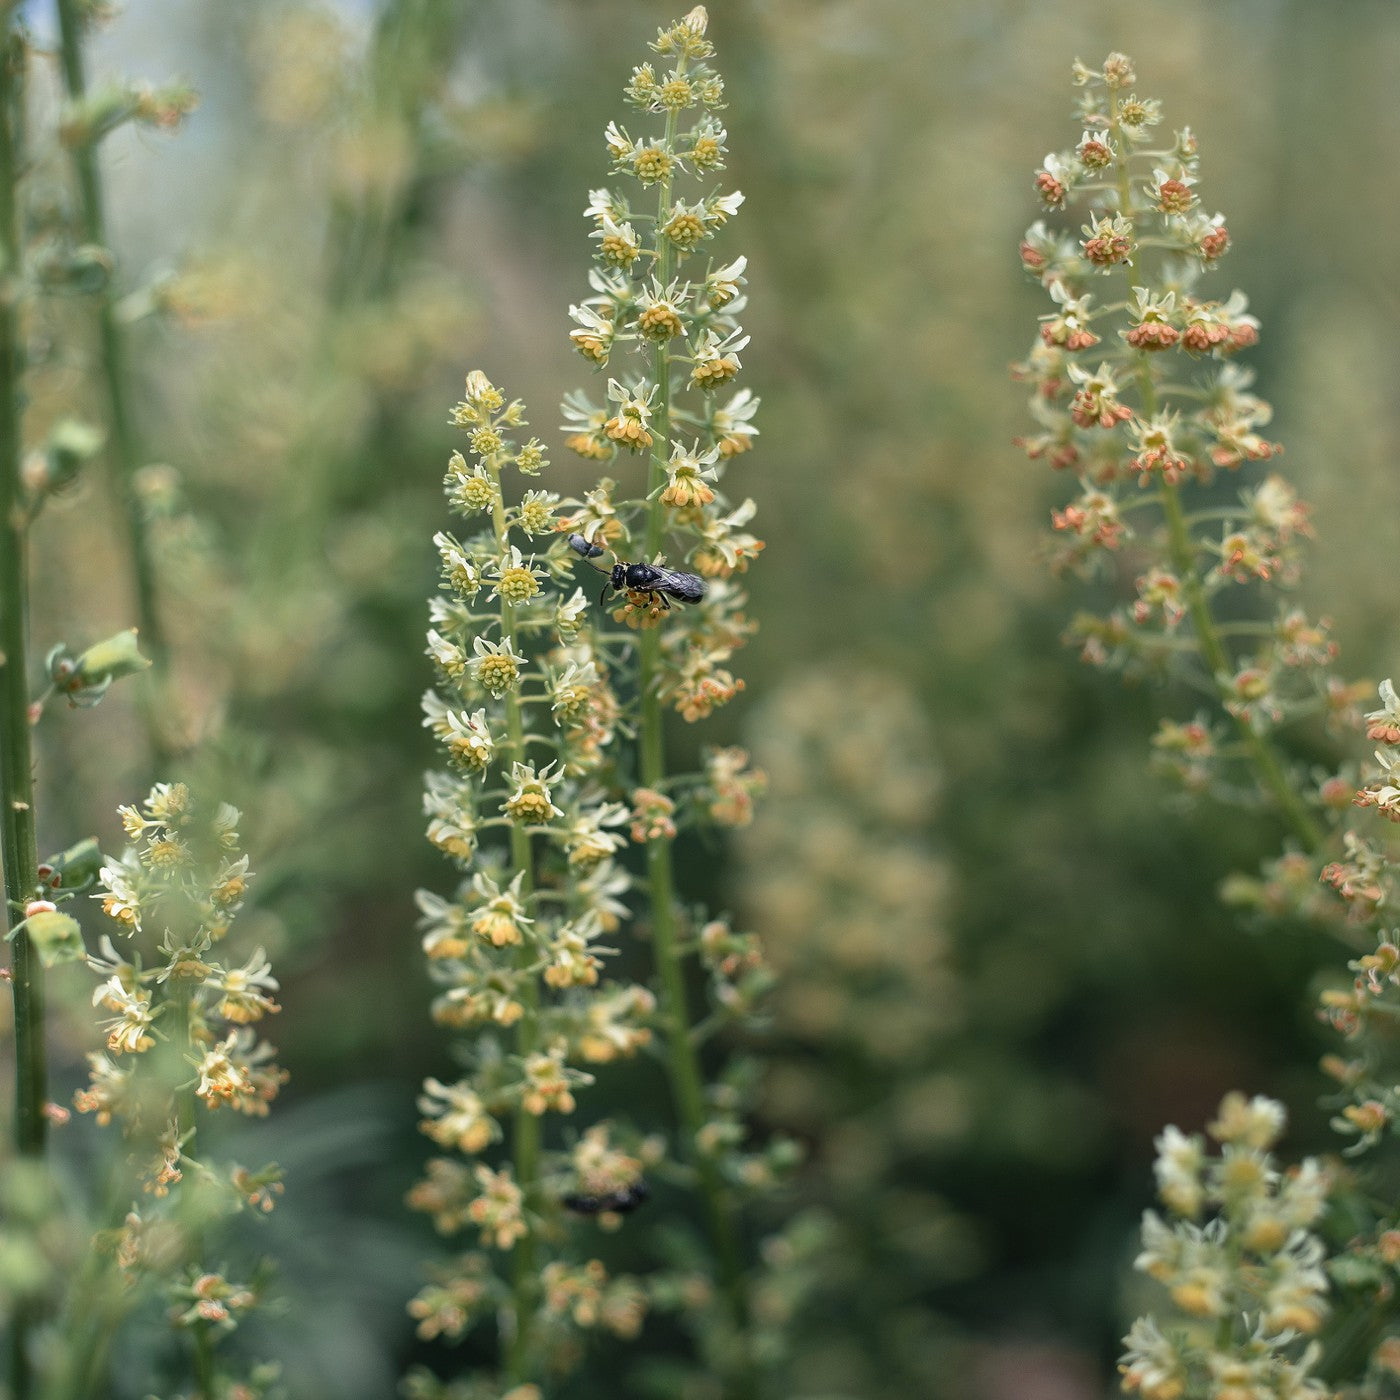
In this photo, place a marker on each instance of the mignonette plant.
(54, 255)
(1255, 1258)
(550, 710)
(1138, 394)
(181, 1044)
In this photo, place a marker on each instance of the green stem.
(92, 1313)
(16, 750)
(682, 1059)
(203, 1362)
(18, 851)
(526, 1135)
(185, 1101)
(1266, 761)
(124, 454)
(1214, 653)
(185, 1107)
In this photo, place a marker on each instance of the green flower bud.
(73, 868)
(112, 659)
(84, 679)
(56, 937)
(71, 443)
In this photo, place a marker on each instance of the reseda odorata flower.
(1238, 1257)
(540, 695)
(525, 717)
(1139, 393)
(180, 1015)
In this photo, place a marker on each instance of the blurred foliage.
(372, 198)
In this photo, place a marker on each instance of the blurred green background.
(1006, 967)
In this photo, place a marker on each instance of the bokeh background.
(1005, 965)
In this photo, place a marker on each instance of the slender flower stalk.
(1138, 392)
(87, 121)
(526, 1144)
(525, 718)
(534, 685)
(180, 1044)
(39, 932)
(688, 44)
(18, 853)
(1145, 388)
(20, 856)
(682, 341)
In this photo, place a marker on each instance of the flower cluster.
(839, 873)
(179, 1017)
(1364, 877)
(1237, 1254)
(541, 803)
(172, 896)
(1138, 393)
(663, 322)
(662, 330)
(526, 721)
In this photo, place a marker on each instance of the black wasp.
(650, 579)
(615, 1202)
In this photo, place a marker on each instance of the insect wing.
(584, 547)
(630, 1197)
(583, 1205)
(689, 588)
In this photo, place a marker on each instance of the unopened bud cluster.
(1237, 1254)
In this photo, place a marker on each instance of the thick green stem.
(682, 1060)
(123, 451)
(526, 1129)
(1211, 645)
(17, 843)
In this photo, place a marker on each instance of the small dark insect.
(620, 1202)
(587, 548)
(651, 579)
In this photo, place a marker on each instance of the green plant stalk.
(18, 851)
(1212, 648)
(91, 1317)
(412, 49)
(124, 455)
(16, 754)
(1266, 761)
(203, 1362)
(185, 1101)
(525, 1140)
(682, 1060)
(186, 1106)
